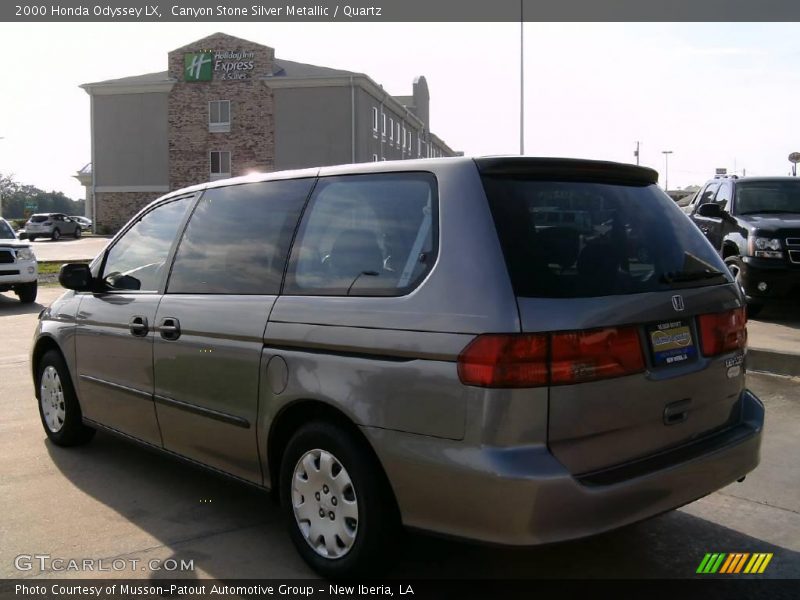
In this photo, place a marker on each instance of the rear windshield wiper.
(681, 276)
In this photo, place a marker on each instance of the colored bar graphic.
(734, 563)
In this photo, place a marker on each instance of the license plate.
(671, 343)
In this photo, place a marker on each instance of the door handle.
(170, 328)
(138, 326)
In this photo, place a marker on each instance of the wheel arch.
(293, 416)
(43, 345)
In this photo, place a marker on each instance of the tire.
(733, 264)
(31, 238)
(58, 405)
(27, 292)
(362, 506)
(753, 310)
(56, 235)
(78, 233)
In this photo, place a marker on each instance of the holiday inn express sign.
(207, 65)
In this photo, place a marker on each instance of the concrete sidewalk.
(774, 341)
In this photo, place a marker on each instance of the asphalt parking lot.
(114, 500)
(66, 250)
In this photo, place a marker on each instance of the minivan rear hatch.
(643, 324)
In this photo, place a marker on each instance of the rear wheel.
(342, 516)
(77, 232)
(56, 235)
(58, 405)
(31, 238)
(27, 292)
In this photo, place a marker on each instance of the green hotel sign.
(198, 66)
(226, 65)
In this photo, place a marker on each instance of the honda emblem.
(677, 302)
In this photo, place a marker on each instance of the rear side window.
(366, 235)
(238, 238)
(39, 218)
(573, 239)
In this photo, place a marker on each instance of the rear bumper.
(524, 496)
(782, 279)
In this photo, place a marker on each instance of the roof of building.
(160, 77)
(290, 68)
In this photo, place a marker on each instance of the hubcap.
(325, 504)
(52, 399)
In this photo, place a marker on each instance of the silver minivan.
(512, 350)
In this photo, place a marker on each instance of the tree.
(19, 201)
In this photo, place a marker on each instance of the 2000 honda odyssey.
(512, 350)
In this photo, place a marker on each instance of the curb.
(770, 361)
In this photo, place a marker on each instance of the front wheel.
(342, 516)
(77, 233)
(27, 292)
(58, 405)
(734, 266)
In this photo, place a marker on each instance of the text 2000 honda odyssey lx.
(512, 350)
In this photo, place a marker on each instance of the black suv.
(754, 223)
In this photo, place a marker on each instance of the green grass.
(52, 267)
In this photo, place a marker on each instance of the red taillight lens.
(495, 360)
(579, 356)
(531, 360)
(723, 332)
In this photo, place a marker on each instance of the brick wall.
(114, 209)
(251, 138)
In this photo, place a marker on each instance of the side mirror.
(711, 210)
(76, 276)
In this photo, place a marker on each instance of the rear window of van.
(584, 239)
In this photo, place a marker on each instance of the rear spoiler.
(565, 169)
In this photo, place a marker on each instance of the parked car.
(18, 267)
(754, 224)
(51, 225)
(406, 343)
(86, 224)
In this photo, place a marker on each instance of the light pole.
(636, 153)
(666, 154)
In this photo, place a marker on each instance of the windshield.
(6, 233)
(574, 239)
(767, 197)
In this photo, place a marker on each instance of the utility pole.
(636, 153)
(666, 154)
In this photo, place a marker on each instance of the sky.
(715, 94)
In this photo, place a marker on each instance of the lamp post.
(666, 154)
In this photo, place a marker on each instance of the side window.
(723, 195)
(238, 239)
(366, 235)
(707, 194)
(137, 260)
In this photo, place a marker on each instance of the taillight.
(596, 354)
(495, 360)
(723, 332)
(532, 360)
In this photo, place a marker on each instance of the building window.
(391, 130)
(220, 165)
(404, 137)
(384, 125)
(219, 116)
(398, 133)
(374, 158)
(374, 121)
